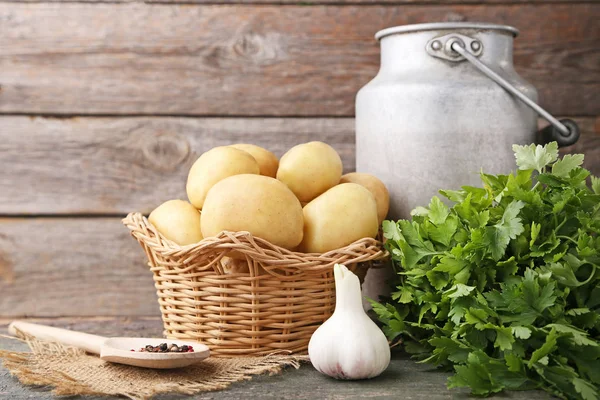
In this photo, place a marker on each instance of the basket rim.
(136, 222)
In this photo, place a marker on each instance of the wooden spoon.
(117, 350)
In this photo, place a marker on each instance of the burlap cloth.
(70, 371)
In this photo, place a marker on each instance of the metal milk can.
(446, 104)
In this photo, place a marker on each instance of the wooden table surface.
(403, 379)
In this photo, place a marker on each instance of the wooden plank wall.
(105, 105)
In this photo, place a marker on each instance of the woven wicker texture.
(242, 295)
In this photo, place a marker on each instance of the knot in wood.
(166, 151)
(258, 49)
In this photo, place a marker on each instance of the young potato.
(267, 161)
(258, 204)
(310, 169)
(338, 217)
(234, 265)
(178, 221)
(376, 187)
(215, 165)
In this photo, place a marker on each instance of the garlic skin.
(349, 345)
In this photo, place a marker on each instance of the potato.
(258, 204)
(267, 161)
(178, 221)
(310, 169)
(234, 265)
(214, 165)
(338, 217)
(376, 187)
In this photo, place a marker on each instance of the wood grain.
(258, 60)
(74, 267)
(316, 2)
(118, 165)
(413, 380)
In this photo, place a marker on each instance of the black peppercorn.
(166, 348)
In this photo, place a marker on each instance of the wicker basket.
(275, 304)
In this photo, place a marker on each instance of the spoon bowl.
(117, 350)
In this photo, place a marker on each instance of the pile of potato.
(301, 202)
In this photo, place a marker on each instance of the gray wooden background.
(105, 105)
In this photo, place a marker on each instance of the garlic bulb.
(349, 345)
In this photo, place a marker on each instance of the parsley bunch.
(504, 286)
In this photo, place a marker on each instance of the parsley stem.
(560, 225)
(567, 238)
(590, 277)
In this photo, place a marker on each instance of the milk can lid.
(444, 26)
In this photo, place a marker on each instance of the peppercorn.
(166, 348)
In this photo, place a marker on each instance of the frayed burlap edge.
(71, 371)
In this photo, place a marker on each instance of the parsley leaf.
(548, 346)
(509, 227)
(438, 212)
(586, 389)
(596, 185)
(521, 332)
(568, 163)
(504, 285)
(535, 157)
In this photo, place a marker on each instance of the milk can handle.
(565, 132)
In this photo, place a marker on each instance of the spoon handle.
(84, 341)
